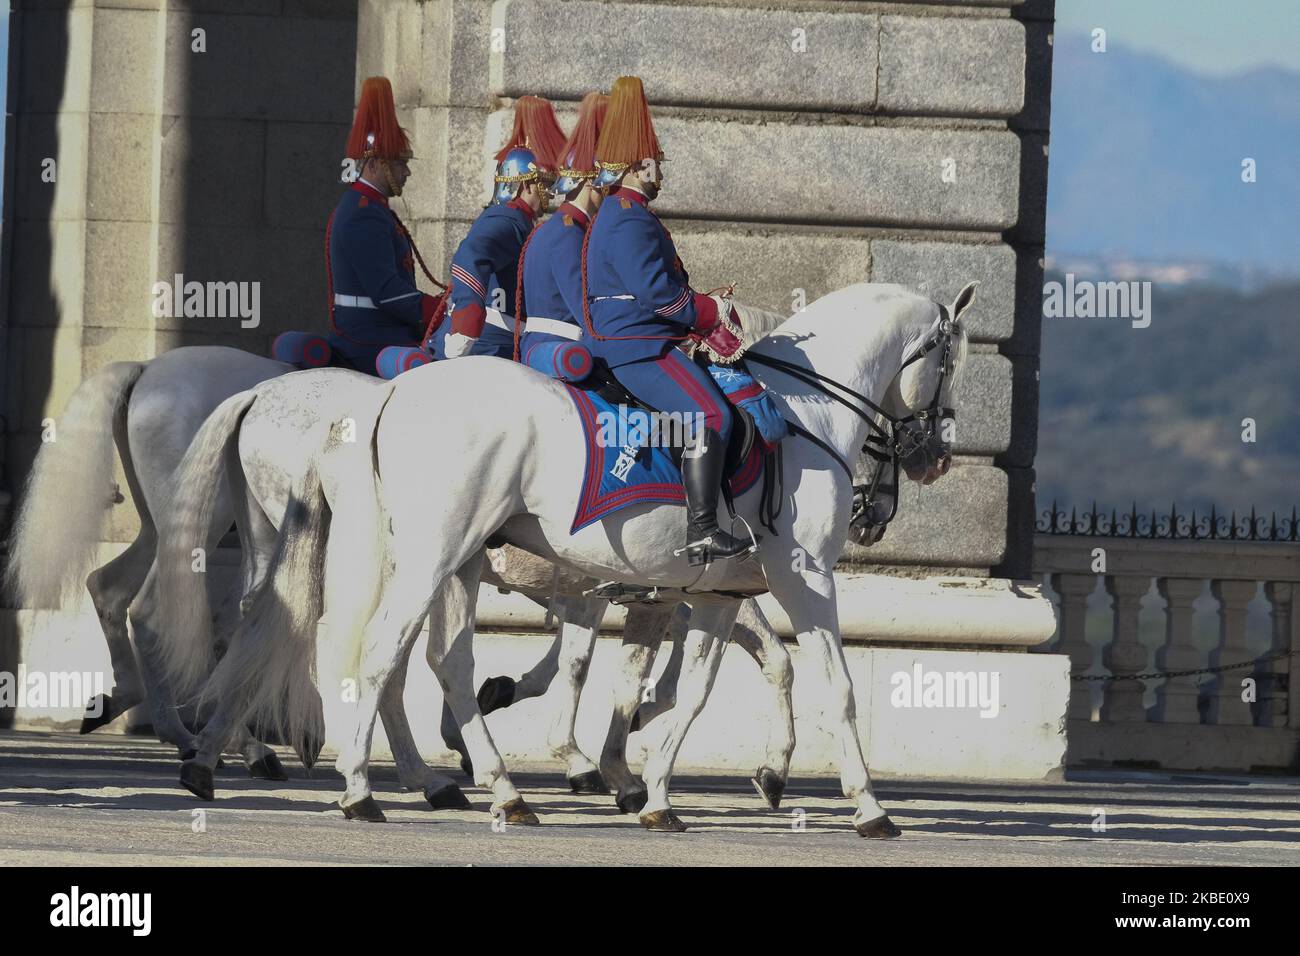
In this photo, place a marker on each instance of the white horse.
(418, 532)
(291, 418)
(150, 412)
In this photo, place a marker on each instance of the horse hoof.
(496, 692)
(268, 768)
(663, 820)
(633, 802)
(197, 779)
(467, 767)
(99, 711)
(449, 797)
(770, 786)
(881, 828)
(365, 810)
(589, 782)
(516, 811)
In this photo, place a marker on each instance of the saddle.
(601, 382)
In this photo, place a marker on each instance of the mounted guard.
(484, 268)
(548, 308)
(640, 307)
(370, 257)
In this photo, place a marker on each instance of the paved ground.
(113, 800)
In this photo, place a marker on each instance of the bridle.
(907, 437)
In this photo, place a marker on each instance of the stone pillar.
(1224, 691)
(204, 142)
(781, 178)
(84, 186)
(1074, 590)
(1176, 698)
(1272, 677)
(1125, 654)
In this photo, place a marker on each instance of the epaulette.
(625, 203)
(568, 220)
(363, 202)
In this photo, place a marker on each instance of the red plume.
(579, 151)
(377, 117)
(536, 128)
(628, 135)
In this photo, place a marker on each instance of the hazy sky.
(1210, 36)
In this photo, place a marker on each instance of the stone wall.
(220, 165)
(807, 147)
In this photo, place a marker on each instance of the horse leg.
(661, 695)
(706, 639)
(579, 624)
(257, 539)
(755, 635)
(642, 634)
(167, 723)
(503, 691)
(451, 655)
(439, 790)
(112, 588)
(809, 600)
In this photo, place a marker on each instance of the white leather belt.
(602, 298)
(354, 301)
(565, 330)
(496, 318)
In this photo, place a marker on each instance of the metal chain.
(1280, 655)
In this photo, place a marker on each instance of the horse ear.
(964, 298)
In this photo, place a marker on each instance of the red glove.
(721, 342)
(706, 313)
(469, 320)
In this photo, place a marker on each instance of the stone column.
(1176, 697)
(1272, 677)
(1125, 654)
(1074, 590)
(1224, 691)
(85, 176)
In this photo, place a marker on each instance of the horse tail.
(67, 497)
(265, 676)
(184, 534)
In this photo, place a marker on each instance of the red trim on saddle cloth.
(593, 506)
(745, 394)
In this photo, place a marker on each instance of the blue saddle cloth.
(621, 470)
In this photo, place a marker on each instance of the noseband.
(908, 437)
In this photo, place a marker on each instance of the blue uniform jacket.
(553, 273)
(631, 254)
(483, 274)
(372, 269)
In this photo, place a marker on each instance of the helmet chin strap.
(393, 188)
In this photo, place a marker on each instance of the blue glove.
(743, 390)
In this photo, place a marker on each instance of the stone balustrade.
(1240, 718)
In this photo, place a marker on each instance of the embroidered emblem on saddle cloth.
(622, 467)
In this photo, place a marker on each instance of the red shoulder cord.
(418, 258)
(586, 302)
(519, 288)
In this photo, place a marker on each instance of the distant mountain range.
(1155, 414)
(1146, 162)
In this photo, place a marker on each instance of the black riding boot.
(702, 478)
